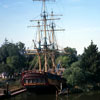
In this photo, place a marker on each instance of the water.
(31, 96)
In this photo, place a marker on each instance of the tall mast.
(45, 21)
(39, 37)
(53, 47)
(53, 39)
(45, 38)
(43, 5)
(45, 34)
(52, 28)
(39, 40)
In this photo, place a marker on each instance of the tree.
(90, 63)
(72, 54)
(12, 57)
(63, 61)
(74, 74)
(21, 47)
(69, 56)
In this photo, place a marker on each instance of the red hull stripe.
(30, 84)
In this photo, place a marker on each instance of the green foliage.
(71, 51)
(87, 69)
(69, 56)
(12, 58)
(90, 63)
(74, 74)
(63, 60)
(33, 62)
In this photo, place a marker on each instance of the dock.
(16, 92)
(2, 93)
(11, 93)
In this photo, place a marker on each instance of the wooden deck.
(2, 93)
(11, 93)
(17, 92)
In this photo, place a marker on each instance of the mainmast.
(43, 44)
(45, 38)
(45, 32)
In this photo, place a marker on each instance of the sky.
(81, 21)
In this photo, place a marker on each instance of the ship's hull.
(42, 89)
(42, 82)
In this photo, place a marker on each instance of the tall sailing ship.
(49, 77)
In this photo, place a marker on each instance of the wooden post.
(56, 95)
(45, 62)
(39, 58)
(60, 87)
(7, 88)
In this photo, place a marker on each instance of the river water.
(31, 96)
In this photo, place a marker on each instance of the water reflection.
(32, 96)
